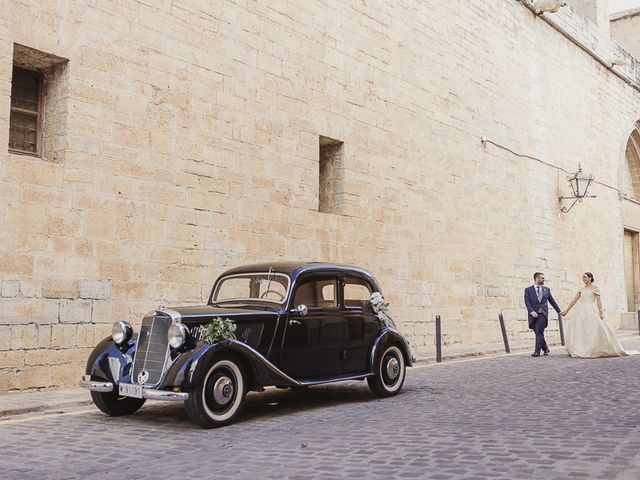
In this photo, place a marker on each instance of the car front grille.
(153, 348)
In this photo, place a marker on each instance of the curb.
(483, 353)
(497, 350)
(12, 412)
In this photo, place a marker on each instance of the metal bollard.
(504, 334)
(438, 339)
(561, 328)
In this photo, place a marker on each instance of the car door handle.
(294, 322)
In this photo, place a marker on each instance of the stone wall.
(624, 29)
(192, 145)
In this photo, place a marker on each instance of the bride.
(588, 334)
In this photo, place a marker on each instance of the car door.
(361, 323)
(313, 343)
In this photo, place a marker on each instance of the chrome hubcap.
(223, 390)
(393, 368)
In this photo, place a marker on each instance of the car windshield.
(269, 287)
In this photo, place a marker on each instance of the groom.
(536, 298)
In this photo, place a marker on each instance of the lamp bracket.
(575, 200)
(579, 198)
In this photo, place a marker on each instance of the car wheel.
(219, 398)
(113, 404)
(389, 371)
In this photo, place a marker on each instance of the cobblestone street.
(508, 417)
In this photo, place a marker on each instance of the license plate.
(130, 390)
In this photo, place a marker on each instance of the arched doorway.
(629, 182)
(630, 173)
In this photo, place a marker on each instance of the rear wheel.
(219, 398)
(390, 372)
(113, 404)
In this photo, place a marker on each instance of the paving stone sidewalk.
(452, 352)
(21, 402)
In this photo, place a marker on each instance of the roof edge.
(632, 12)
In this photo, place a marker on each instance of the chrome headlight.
(177, 335)
(121, 332)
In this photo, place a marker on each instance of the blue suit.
(541, 307)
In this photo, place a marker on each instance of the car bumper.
(148, 393)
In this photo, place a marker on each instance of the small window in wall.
(37, 120)
(26, 111)
(331, 188)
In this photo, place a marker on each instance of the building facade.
(152, 145)
(624, 28)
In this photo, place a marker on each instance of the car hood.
(202, 314)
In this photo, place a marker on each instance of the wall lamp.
(579, 186)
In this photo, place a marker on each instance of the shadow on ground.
(271, 403)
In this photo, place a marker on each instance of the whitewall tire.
(390, 372)
(219, 398)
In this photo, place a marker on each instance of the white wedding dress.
(589, 336)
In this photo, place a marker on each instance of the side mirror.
(300, 310)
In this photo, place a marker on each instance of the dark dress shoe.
(546, 353)
(535, 354)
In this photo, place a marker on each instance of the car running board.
(360, 376)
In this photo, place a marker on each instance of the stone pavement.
(21, 402)
(506, 417)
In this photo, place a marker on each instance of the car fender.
(386, 337)
(111, 362)
(189, 368)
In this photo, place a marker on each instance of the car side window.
(316, 293)
(357, 293)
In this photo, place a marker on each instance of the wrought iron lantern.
(579, 186)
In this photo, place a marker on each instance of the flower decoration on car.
(381, 308)
(216, 331)
(378, 303)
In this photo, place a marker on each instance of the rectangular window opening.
(332, 171)
(37, 117)
(26, 111)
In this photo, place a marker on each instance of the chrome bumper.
(148, 393)
(94, 386)
(164, 395)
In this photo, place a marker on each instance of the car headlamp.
(177, 335)
(121, 332)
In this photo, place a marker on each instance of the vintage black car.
(297, 325)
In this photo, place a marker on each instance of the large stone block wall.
(624, 29)
(191, 146)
